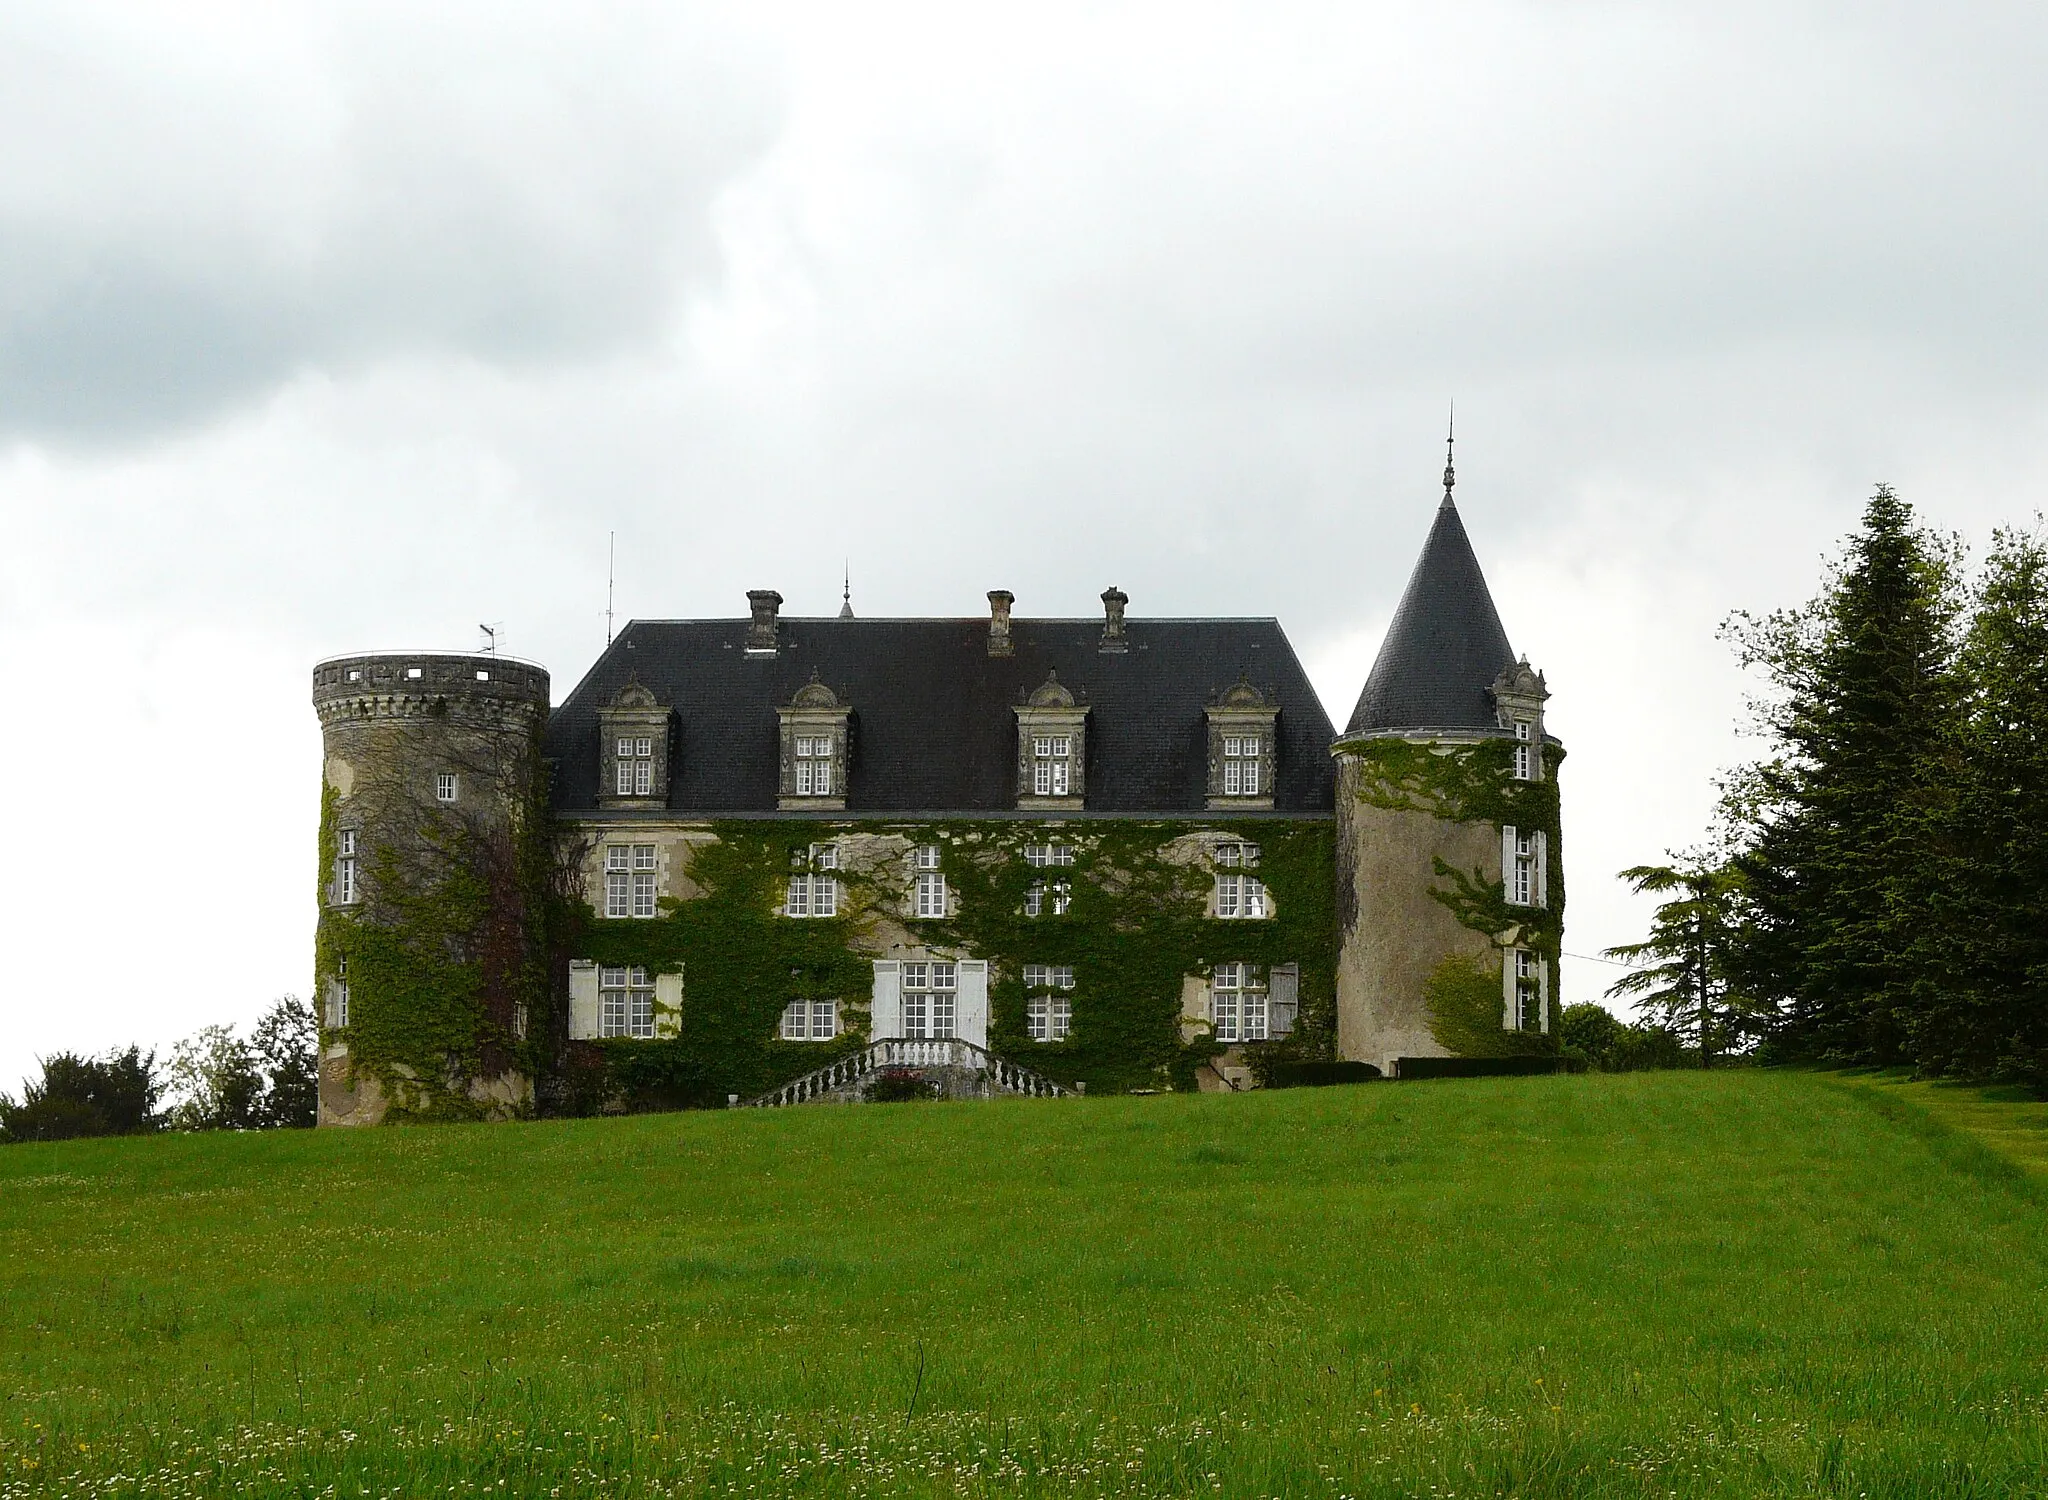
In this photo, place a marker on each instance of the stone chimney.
(999, 602)
(1113, 601)
(761, 631)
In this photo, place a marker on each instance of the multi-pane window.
(1042, 896)
(1242, 754)
(444, 786)
(345, 887)
(519, 1019)
(337, 999)
(813, 890)
(1238, 892)
(929, 993)
(1048, 1010)
(625, 1003)
(629, 880)
(1052, 761)
(633, 765)
(1237, 1002)
(1522, 879)
(814, 765)
(1040, 855)
(929, 890)
(1525, 751)
(1528, 1014)
(810, 1020)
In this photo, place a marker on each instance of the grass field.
(1652, 1284)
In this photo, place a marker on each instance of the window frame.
(625, 1003)
(347, 876)
(924, 998)
(1240, 1005)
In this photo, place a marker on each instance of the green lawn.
(1653, 1284)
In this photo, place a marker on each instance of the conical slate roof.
(1445, 647)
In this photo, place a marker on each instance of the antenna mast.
(611, 556)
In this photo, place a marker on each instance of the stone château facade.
(778, 857)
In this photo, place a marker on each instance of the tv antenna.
(490, 646)
(611, 557)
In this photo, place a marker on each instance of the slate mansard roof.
(1445, 647)
(934, 728)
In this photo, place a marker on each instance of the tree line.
(1876, 889)
(214, 1080)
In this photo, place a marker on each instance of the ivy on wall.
(445, 945)
(1134, 930)
(1475, 783)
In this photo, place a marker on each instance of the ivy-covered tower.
(434, 858)
(1450, 901)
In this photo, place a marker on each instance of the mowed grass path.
(1724, 1284)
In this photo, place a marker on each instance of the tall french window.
(1239, 893)
(929, 994)
(814, 890)
(1528, 991)
(345, 887)
(625, 1003)
(929, 891)
(1522, 855)
(634, 765)
(629, 880)
(337, 1001)
(1237, 1003)
(1048, 1007)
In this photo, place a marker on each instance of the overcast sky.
(332, 327)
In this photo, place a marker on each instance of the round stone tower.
(1449, 894)
(430, 961)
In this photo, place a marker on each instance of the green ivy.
(1134, 929)
(1475, 783)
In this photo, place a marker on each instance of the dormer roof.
(1445, 647)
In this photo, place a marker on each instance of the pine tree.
(1983, 1007)
(1839, 816)
(1687, 982)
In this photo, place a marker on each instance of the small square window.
(483, 676)
(444, 786)
(415, 673)
(927, 857)
(355, 674)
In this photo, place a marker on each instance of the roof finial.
(846, 592)
(1450, 437)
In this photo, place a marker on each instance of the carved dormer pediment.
(815, 749)
(633, 748)
(1243, 745)
(1052, 747)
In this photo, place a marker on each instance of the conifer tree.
(1983, 1003)
(1685, 980)
(1839, 816)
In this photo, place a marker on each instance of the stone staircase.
(959, 1069)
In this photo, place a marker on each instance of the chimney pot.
(999, 602)
(763, 603)
(1113, 601)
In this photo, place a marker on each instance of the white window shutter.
(1283, 999)
(885, 1004)
(1507, 860)
(582, 999)
(1508, 996)
(1543, 993)
(970, 1007)
(1542, 853)
(668, 1005)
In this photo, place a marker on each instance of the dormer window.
(1239, 893)
(1052, 759)
(814, 760)
(1052, 747)
(1242, 735)
(633, 766)
(1525, 751)
(1243, 755)
(814, 742)
(633, 749)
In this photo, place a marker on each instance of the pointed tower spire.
(1450, 470)
(846, 592)
(1446, 644)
